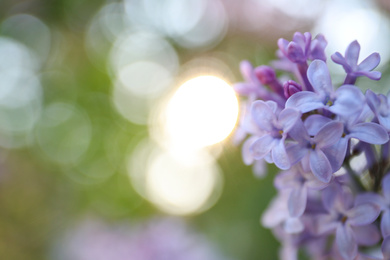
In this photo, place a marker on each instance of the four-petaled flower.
(276, 125)
(351, 66)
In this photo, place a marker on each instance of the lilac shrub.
(312, 129)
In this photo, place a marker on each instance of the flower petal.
(339, 59)
(286, 179)
(370, 197)
(295, 153)
(371, 62)
(386, 248)
(319, 77)
(247, 154)
(246, 69)
(329, 196)
(386, 186)
(329, 134)
(325, 224)
(385, 223)
(282, 44)
(293, 226)
(346, 241)
(297, 201)
(314, 123)
(263, 115)
(279, 155)
(305, 101)
(369, 132)
(363, 214)
(276, 211)
(336, 153)
(352, 53)
(260, 168)
(295, 53)
(320, 166)
(299, 133)
(373, 100)
(367, 235)
(315, 184)
(349, 100)
(288, 117)
(374, 75)
(262, 146)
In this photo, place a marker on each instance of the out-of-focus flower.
(156, 239)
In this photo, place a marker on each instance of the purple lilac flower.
(276, 128)
(345, 101)
(299, 182)
(259, 166)
(381, 201)
(301, 49)
(309, 150)
(368, 132)
(348, 223)
(277, 214)
(252, 87)
(354, 70)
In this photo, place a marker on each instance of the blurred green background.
(82, 85)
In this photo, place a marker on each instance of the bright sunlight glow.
(182, 187)
(202, 112)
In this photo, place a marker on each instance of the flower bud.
(290, 87)
(295, 53)
(265, 74)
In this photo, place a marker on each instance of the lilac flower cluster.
(313, 131)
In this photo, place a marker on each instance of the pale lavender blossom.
(382, 201)
(350, 224)
(295, 54)
(303, 48)
(345, 101)
(277, 215)
(252, 87)
(367, 132)
(298, 182)
(276, 125)
(350, 63)
(310, 150)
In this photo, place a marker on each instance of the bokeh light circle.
(188, 184)
(202, 112)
